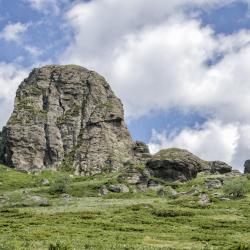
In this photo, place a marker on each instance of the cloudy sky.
(181, 67)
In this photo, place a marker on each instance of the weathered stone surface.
(118, 188)
(66, 117)
(212, 183)
(45, 182)
(247, 167)
(204, 200)
(220, 167)
(103, 191)
(176, 164)
(141, 152)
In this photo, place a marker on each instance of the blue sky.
(181, 67)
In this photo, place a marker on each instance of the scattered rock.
(247, 167)
(45, 182)
(193, 191)
(167, 192)
(103, 191)
(38, 200)
(204, 200)
(220, 167)
(66, 117)
(119, 188)
(66, 197)
(212, 184)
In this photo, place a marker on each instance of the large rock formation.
(179, 164)
(66, 117)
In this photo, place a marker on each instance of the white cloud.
(13, 32)
(33, 51)
(211, 141)
(157, 57)
(152, 50)
(10, 77)
(46, 6)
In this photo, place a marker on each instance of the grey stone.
(67, 117)
(204, 200)
(212, 184)
(247, 167)
(167, 192)
(66, 197)
(103, 191)
(45, 182)
(119, 188)
(38, 200)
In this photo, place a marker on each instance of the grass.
(117, 221)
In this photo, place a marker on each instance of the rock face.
(178, 164)
(66, 117)
(247, 167)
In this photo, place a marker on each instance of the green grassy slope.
(116, 221)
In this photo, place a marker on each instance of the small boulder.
(118, 188)
(247, 167)
(204, 200)
(167, 192)
(45, 182)
(103, 191)
(40, 201)
(212, 184)
(66, 197)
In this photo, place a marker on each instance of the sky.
(181, 67)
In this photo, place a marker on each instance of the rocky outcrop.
(66, 117)
(175, 164)
(178, 164)
(247, 167)
(220, 167)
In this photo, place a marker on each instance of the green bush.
(236, 188)
(59, 185)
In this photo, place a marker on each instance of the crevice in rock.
(47, 160)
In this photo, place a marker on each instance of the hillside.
(52, 210)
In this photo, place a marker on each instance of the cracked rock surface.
(66, 117)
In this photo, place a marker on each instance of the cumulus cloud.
(161, 56)
(10, 77)
(211, 141)
(13, 32)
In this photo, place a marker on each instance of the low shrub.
(59, 185)
(236, 188)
